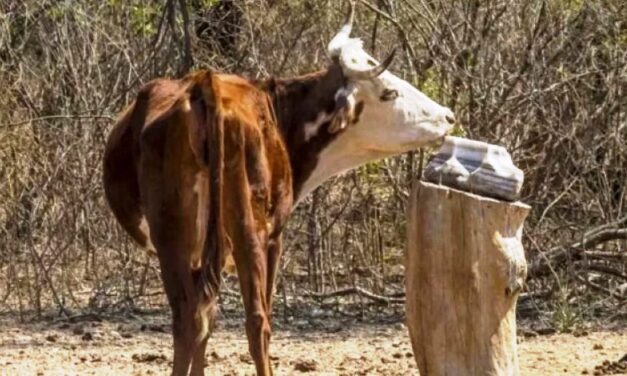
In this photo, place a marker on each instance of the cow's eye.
(388, 95)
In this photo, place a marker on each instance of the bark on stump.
(465, 266)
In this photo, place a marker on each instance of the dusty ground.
(142, 348)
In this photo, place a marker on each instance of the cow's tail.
(214, 249)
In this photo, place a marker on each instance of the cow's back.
(156, 167)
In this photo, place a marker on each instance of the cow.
(208, 167)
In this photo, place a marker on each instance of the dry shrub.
(547, 79)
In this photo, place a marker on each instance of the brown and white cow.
(210, 166)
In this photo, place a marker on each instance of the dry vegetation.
(545, 78)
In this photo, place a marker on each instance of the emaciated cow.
(210, 166)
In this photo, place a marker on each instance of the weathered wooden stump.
(465, 266)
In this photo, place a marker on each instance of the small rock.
(397, 355)
(527, 333)
(157, 328)
(19, 339)
(127, 335)
(580, 333)
(545, 331)
(301, 324)
(88, 336)
(52, 337)
(149, 357)
(78, 330)
(114, 334)
(597, 346)
(335, 328)
(306, 365)
(246, 358)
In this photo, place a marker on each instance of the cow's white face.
(390, 116)
(395, 116)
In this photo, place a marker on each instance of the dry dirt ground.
(143, 348)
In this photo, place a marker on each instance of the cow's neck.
(304, 107)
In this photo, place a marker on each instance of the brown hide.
(167, 161)
(207, 166)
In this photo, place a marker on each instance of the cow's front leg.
(250, 254)
(245, 219)
(251, 268)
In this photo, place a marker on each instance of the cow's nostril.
(450, 119)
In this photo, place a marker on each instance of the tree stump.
(465, 266)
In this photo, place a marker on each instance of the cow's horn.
(335, 45)
(358, 74)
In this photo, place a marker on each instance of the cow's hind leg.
(208, 309)
(189, 323)
(198, 359)
(193, 317)
(174, 235)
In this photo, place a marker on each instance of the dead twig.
(356, 291)
(57, 117)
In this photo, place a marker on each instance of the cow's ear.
(338, 123)
(346, 111)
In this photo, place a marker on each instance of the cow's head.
(394, 116)
(376, 114)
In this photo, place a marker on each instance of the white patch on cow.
(229, 265)
(143, 227)
(229, 262)
(186, 106)
(339, 156)
(201, 216)
(312, 127)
